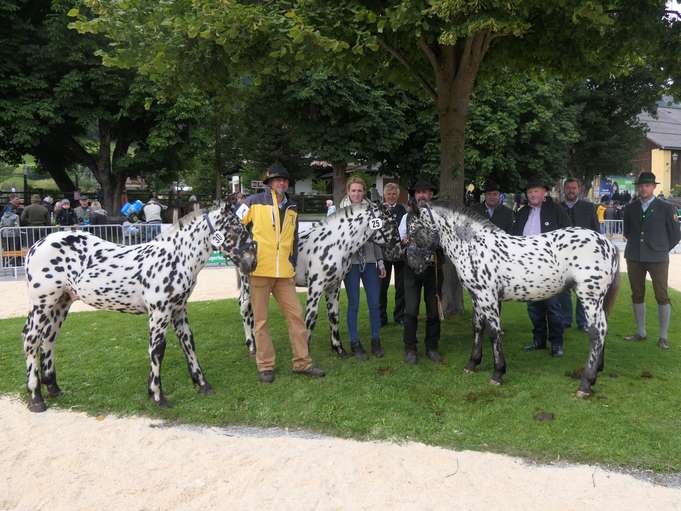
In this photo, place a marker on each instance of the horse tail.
(611, 293)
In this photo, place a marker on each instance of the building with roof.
(662, 150)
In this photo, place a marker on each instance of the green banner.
(217, 259)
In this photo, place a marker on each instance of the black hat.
(535, 182)
(491, 186)
(275, 170)
(646, 178)
(422, 184)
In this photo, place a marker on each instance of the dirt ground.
(67, 460)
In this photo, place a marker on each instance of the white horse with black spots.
(155, 278)
(494, 266)
(323, 260)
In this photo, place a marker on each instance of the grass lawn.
(633, 419)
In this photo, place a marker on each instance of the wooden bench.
(15, 253)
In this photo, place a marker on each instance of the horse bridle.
(372, 216)
(238, 249)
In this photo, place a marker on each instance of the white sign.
(375, 224)
(217, 239)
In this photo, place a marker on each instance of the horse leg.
(314, 296)
(597, 329)
(48, 369)
(478, 334)
(158, 324)
(246, 310)
(494, 327)
(36, 323)
(184, 334)
(332, 296)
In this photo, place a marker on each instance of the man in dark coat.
(651, 228)
(582, 214)
(492, 209)
(391, 192)
(539, 216)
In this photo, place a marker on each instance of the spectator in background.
(11, 236)
(98, 215)
(330, 208)
(36, 214)
(48, 202)
(374, 196)
(600, 213)
(152, 211)
(194, 205)
(66, 216)
(391, 193)
(493, 208)
(83, 211)
(582, 213)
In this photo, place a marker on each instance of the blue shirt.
(533, 224)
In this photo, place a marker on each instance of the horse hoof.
(54, 391)
(251, 354)
(495, 382)
(583, 395)
(466, 370)
(206, 390)
(342, 353)
(37, 406)
(162, 402)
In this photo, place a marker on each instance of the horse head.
(238, 244)
(383, 221)
(423, 238)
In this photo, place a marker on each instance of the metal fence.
(15, 241)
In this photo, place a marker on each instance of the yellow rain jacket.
(275, 229)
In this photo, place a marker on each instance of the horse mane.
(186, 220)
(467, 212)
(347, 211)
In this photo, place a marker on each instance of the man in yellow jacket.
(273, 217)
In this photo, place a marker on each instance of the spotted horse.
(155, 278)
(324, 258)
(494, 266)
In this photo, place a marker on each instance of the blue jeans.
(566, 306)
(547, 321)
(371, 287)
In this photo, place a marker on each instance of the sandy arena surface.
(67, 460)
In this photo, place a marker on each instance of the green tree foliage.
(610, 134)
(519, 127)
(60, 104)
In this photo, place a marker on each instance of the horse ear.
(229, 201)
(413, 205)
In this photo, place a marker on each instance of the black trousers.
(398, 311)
(413, 284)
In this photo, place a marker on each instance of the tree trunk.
(453, 97)
(339, 179)
(111, 182)
(60, 177)
(217, 128)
